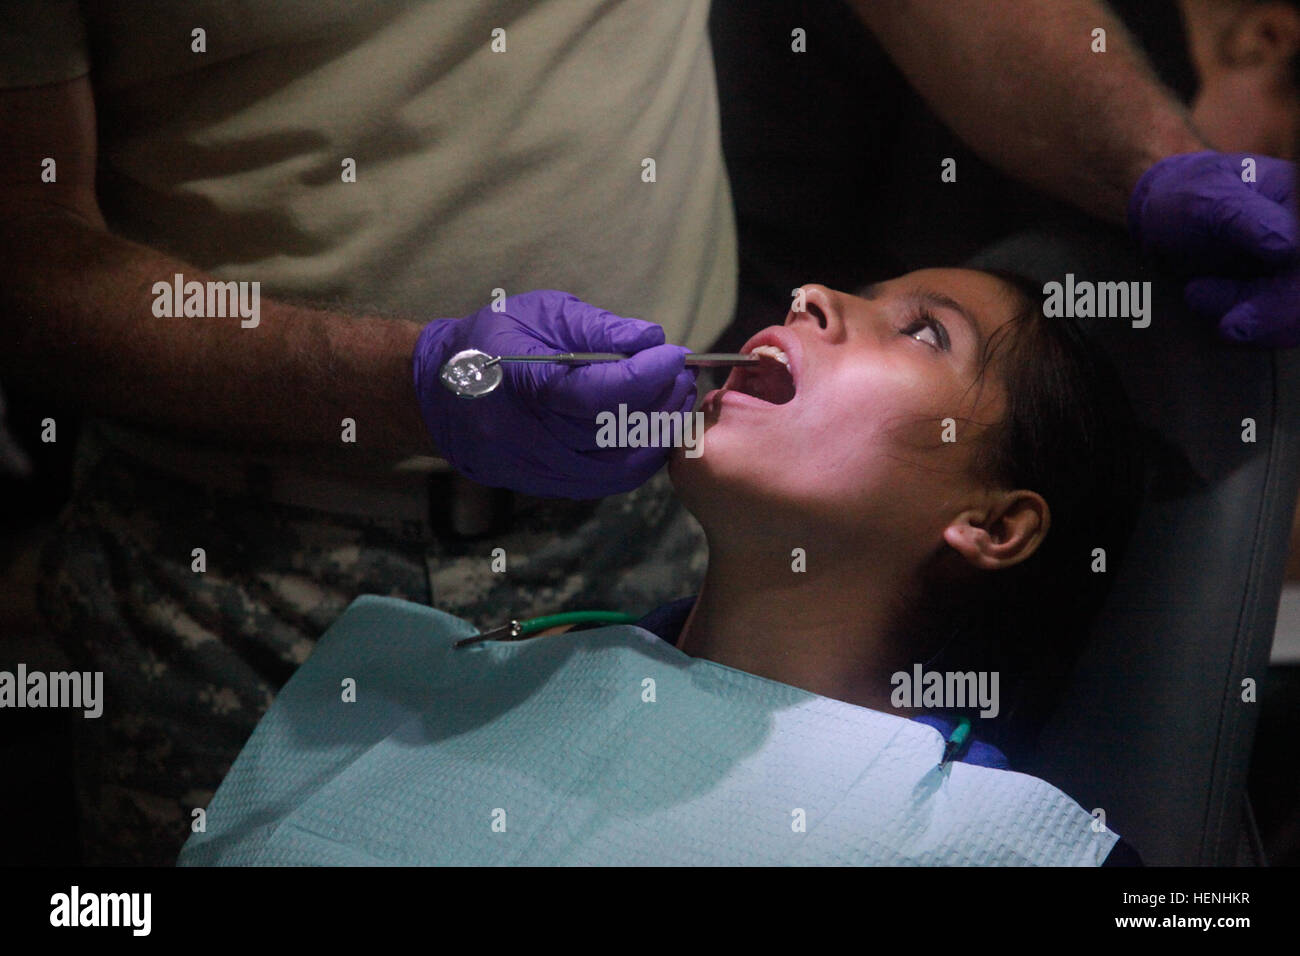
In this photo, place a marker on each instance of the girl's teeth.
(772, 352)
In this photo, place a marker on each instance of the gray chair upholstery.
(1152, 727)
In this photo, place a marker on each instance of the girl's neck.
(825, 628)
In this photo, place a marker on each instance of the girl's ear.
(1006, 532)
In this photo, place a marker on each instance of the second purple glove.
(1238, 238)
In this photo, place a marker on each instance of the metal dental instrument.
(471, 373)
(520, 629)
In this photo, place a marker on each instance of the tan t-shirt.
(475, 169)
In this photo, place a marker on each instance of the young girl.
(923, 475)
(928, 480)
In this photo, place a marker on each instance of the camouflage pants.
(192, 660)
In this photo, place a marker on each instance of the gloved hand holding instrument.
(537, 433)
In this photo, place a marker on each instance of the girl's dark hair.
(1068, 434)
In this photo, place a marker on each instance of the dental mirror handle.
(699, 359)
(472, 374)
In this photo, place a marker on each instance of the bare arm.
(1018, 82)
(77, 322)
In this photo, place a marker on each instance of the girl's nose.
(818, 306)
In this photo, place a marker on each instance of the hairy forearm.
(1018, 81)
(77, 324)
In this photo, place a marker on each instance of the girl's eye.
(927, 323)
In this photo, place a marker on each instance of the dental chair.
(1152, 727)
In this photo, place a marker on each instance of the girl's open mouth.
(769, 381)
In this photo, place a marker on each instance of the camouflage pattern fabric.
(191, 660)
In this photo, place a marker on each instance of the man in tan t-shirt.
(398, 161)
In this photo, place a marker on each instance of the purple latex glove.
(536, 433)
(1240, 239)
